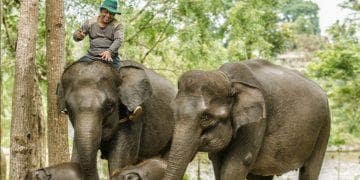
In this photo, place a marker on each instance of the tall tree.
(2, 155)
(55, 57)
(304, 15)
(22, 138)
(37, 127)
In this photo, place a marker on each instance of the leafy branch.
(161, 39)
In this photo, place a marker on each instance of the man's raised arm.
(82, 32)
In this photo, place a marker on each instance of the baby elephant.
(64, 171)
(151, 169)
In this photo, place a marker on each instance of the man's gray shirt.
(102, 39)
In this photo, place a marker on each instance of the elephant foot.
(138, 111)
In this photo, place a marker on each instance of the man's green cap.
(111, 6)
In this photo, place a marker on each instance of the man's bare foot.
(138, 111)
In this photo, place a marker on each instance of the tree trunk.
(55, 57)
(37, 127)
(21, 134)
(2, 155)
(3, 165)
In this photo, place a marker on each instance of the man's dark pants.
(116, 60)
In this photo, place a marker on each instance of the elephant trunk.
(184, 147)
(87, 139)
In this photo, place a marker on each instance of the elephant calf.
(151, 169)
(64, 171)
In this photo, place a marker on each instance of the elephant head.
(95, 97)
(39, 174)
(64, 171)
(150, 169)
(209, 109)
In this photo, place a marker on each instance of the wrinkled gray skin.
(254, 118)
(96, 97)
(150, 169)
(64, 171)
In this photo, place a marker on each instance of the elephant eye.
(207, 120)
(205, 116)
(109, 106)
(66, 110)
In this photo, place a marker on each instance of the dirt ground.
(336, 166)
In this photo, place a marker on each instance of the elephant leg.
(233, 168)
(242, 153)
(124, 149)
(311, 168)
(256, 177)
(216, 162)
(74, 154)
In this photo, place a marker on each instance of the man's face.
(106, 16)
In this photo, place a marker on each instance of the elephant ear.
(135, 87)
(60, 98)
(249, 105)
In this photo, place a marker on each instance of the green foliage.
(175, 36)
(186, 177)
(252, 30)
(8, 46)
(338, 69)
(304, 14)
(300, 21)
(351, 4)
(168, 36)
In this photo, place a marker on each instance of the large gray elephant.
(255, 119)
(97, 99)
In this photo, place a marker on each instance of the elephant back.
(271, 79)
(240, 72)
(135, 64)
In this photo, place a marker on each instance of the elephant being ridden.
(255, 119)
(97, 99)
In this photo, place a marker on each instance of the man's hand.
(80, 34)
(106, 55)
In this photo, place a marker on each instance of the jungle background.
(174, 36)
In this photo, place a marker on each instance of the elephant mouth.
(216, 138)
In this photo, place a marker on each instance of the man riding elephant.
(106, 36)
